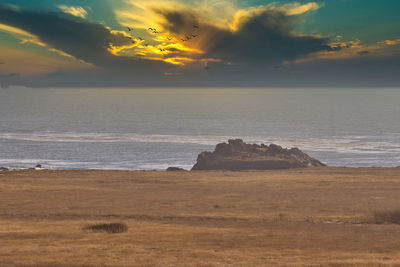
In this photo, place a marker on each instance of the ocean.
(135, 129)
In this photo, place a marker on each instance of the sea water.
(131, 128)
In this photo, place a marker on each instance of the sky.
(173, 43)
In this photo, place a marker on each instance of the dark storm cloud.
(81, 39)
(177, 21)
(363, 53)
(85, 41)
(263, 38)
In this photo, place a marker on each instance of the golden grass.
(310, 217)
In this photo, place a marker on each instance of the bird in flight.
(153, 30)
(130, 29)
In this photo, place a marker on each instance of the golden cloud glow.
(242, 16)
(32, 63)
(172, 48)
(28, 38)
(141, 15)
(164, 45)
(298, 9)
(115, 50)
(391, 42)
(24, 36)
(76, 11)
(179, 60)
(350, 50)
(160, 46)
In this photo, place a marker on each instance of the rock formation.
(175, 169)
(237, 156)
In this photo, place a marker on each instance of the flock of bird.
(188, 37)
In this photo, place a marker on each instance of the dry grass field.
(304, 217)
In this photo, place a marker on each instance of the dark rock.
(38, 166)
(175, 169)
(4, 169)
(236, 155)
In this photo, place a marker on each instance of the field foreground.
(318, 217)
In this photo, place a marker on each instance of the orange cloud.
(391, 42)
(176, 45)
(32, 63)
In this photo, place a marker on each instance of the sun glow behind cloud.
(391, 42)
(178, 47)
(193, 38)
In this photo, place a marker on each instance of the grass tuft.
(111, 228)
(384, 217)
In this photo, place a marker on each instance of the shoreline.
(18, 169)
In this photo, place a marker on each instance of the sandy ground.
(307, 217)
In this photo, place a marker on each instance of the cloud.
(257, 36)
(141, 13)
(75, 37)
(89, 42)
(254, 46)
(28, 60)
(298, 9)
(262, 36)
(235, 35)
(76, 11)
(391, 42)
(24, 36)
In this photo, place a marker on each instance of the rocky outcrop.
(175, 169)
(3, 169)
(236, 155)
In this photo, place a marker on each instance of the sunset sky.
(70, 43)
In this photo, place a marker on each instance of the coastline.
(187, 170)
(320, 216)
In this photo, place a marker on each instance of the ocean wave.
(162, 166)
(346, 144)
(25, 163)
